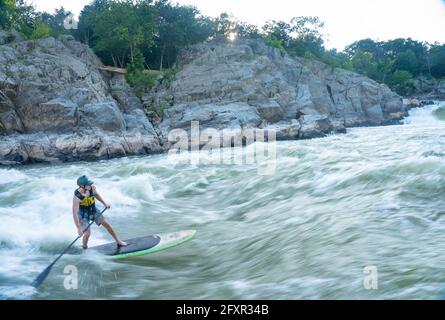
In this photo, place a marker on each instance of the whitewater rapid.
(334, 206)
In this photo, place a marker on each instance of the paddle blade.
(41, 277)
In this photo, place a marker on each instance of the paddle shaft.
(39, 280)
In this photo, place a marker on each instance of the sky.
(346, 21)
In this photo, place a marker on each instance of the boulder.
(271, 111)
(374, 114)
(10, 122)
(105, 116)
(315, 126)
(16, 35)
(286, 130)
(56, 115)
(233, 115)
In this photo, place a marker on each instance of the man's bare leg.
(113, 233)
(86, 237)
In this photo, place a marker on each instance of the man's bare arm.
(76, 203)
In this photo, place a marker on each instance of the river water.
(354, 216)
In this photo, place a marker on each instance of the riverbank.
(58, 105)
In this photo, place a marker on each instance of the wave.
(439, 113)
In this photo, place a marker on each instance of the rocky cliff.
(250, 85)
(55, 105)
(428, 89)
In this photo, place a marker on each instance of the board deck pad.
(134, 245)
(145, 245)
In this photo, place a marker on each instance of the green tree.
(437, 58)
(278, 31)
(225, 25)
(363, 63)
(307, 43)
(87, 21)
(412, 55)
(56, 21)
(41, 30)
(337, 59)
(301, 37)
(178, 27)
(25, 17)
(401, 82)
(124, 28)
(246, 30)
(18, 15)
(307, 26)
(276, 43)
(7, 12)
(408, 61)
(367, 45)
(385, 68)
(389, 57)
(306, 36)
(139, 78)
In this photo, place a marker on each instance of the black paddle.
(39, 280)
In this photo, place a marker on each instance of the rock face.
(9, 36)
(428, 89)
(56, 106)
(3, 36)
(250, 85)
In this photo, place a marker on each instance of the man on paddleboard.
(84, 211)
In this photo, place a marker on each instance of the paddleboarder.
(85, 215)
(84, 211)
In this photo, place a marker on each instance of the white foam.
(11, 175)
(423, 116)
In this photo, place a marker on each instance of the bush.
(276, 43)
(402, 82)
(10, 38)
(40, 31)
(437, 53)
(139, 78)
(142, 80)
(168, 74)
(155, 112)
(309, 55)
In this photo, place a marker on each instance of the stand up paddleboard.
(145, 245)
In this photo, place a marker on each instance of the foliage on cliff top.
(156, 31)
